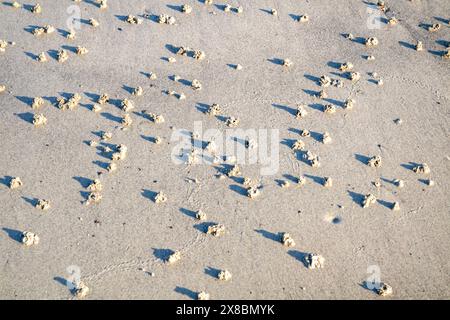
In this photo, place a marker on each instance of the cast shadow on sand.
(276, 61)
(387, 204)
(111, 117)
(203, 227)
(27, 100)
(189, 213)
(316, 179)
(6, 180)
(71, 286)
(187, 292)
(299, 255)
(176, 8)
(290, 110)
(84, 182)
(409, 166)
(407, 45)
(25, 116)
(314, 79)
(362, 158)
(213, 272)
(369, 286)
(266, 11)
(356, 197)
(238, 189)
(290, 177)
(151, 195)
(162, 254)
(269, 235)
(16, 235)
(31, 55)
(31, 201)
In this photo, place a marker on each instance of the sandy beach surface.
(119, 246)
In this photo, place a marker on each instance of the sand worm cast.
(216, 230)
(314, 261)
(30, 238)
(202, 295)
(15, 183)
(287, 240)
(224, 275)
(174, 257)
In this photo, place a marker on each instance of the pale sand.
(410, 246)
